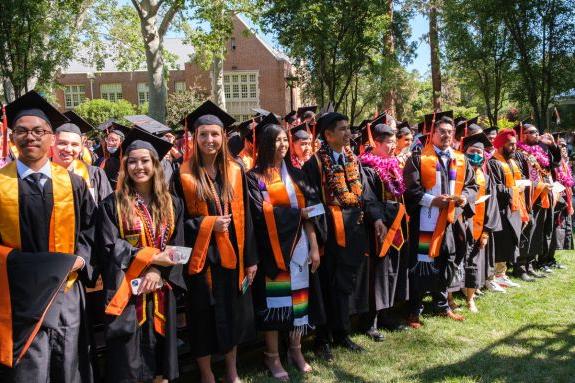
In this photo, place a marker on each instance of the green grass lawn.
(526, 335)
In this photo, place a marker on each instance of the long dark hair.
(266, 147)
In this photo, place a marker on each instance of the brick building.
(254, 76)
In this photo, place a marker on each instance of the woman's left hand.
(151, 281)
(251, 273)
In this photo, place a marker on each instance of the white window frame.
(241, 88)
(111, 92)
(143, 93)
(74, 95)
(180, 86)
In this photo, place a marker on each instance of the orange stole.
(479, 217)
(393, 231)
(81, 169)
(62, 237)
(428, 170)
(511, 174)
(6, 345)
(541, 192)
(196, 208)
(278, 197)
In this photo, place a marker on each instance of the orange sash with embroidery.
(540, 191)
(196, 207)
(394, 230)
(62, 233)
(428, 171)
(336, 214)
(511, 174)
(479, 217)
(278, 196)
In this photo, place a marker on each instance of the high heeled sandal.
(282, 376)
(291, 361)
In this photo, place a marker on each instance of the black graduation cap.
(300, 132)
(403, 124)
(303, 109)
(420, 140)
(519, 127)
(261, 112)
(270, 119)
(112, 126)
(235, 143)
(327, 119)
(84, 125)
(144, 140)
(32, 104)
(208, 108)
(478, 138)
(246, 129)
(363, 124)
(464, 123)
(148, 124)
(290, 117)
(490, 129)
(430, 119)
(458, 120)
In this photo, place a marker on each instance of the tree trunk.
(435, 63)
(155, 64)
(218, 82)
(389, 96)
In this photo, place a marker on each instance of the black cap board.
(300, 132)
(207, 114)
(478, 139)
(148, 124)
(32, 104)
(141, 139)
(74, 118)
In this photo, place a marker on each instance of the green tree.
(37, 38)
(98, 111)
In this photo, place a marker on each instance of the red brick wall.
(249, 54)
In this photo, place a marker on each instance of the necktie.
(443, 154)
(35, 180)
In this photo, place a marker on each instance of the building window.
(74, 95)
(241, 90)
(111, 92)
(180, 86)
(143, 93)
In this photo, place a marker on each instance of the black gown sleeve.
(503, 194)
(86, 217)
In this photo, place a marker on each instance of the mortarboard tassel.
(4, 133)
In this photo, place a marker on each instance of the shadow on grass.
(533, 353)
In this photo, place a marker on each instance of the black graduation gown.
(137, 353)
(100, 184)
(479, 262)
(111, 166)
(67, 311)
(389, 275)
(220, 317)
(344, 274)
(289, 225)
(454, 246)
(506, 241)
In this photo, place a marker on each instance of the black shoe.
(533, 274)
(375, 335)
(323, 351)
(395, 326)
(349, 344)
(526, 278)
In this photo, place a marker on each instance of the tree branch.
(168, 17)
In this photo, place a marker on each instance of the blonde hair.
(160, 206)
(200, 177)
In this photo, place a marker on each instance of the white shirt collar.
(336, 155)
(24, 171)
(448, 150)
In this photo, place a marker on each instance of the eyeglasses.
(530, 132)
(36, 132)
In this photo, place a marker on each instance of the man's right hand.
(441, 201)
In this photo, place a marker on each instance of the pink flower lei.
(388, 170)
(536, 151)
(564, 176)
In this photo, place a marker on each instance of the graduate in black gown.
(388, 254)
(112, 150)
(218, 226)
(504, 172)
(135, 225)
(66, 152)
(537, 157)
(336, 175)
(484, 223)
(44, 208)
(440, 190)
(286, 293)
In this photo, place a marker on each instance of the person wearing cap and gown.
(336, 175)
(404, 137)
(87, 155)
(482, 225)
(563, 235)
(112, 152)
(135, 225)
(388, 253)
(286, 289)
(504, 172)
(247, 155)
(66, 152)
(47, 219)
(300, 145)
(218, 226)
(440, 190)
(537, 156)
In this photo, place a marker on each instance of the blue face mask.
(475, 159)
